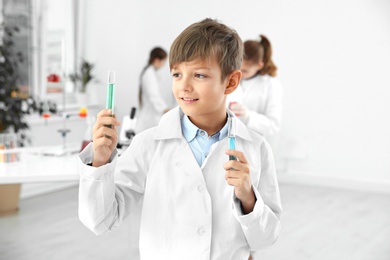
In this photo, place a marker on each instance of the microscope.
(127, 130)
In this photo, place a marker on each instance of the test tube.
(111, 91)
(231, 137)
(110, 94)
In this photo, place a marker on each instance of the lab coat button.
(201, 231)
(201, 188)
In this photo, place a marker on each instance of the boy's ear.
(233, 80)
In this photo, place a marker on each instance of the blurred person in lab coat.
(151, 103)
(258, 99)
(199, 199)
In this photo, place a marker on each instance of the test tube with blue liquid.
(232, 136)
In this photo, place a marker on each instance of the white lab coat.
(188, 212)
(262, 96)
(153, 103)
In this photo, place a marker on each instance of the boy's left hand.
(237, 175)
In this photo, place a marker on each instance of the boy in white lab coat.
(196, 204)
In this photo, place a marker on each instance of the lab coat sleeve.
(269, 122)
(108, 194)
(262, 226)
(151, 90)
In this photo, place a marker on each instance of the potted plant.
(81, 80)
(14, 105)
(83, 77)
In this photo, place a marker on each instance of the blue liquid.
(232, 146)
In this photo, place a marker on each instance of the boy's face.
(199, 90)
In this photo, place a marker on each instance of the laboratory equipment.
(111, 91)
(231, 136)
(127, 129)
(110, 94)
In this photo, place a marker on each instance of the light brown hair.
(206, 40)
(260, 50)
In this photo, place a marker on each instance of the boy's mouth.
(189, 99)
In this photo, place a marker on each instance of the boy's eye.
(176, 75)
(201, 76)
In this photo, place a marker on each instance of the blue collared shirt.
(199, 141)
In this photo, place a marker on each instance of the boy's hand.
(237, 175)
(104, 137)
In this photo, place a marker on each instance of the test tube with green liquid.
(231, 137)
(111, 92)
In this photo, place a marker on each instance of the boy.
(196, 204)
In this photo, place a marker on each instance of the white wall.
(333, 58)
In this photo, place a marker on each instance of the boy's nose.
(186, 84)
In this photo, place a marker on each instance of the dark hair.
(206, 40)
(260, 50)
(155, 53)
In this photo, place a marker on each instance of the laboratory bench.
(52, 165)
(41, 164)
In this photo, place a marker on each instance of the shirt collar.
(223, 132)
(170, 126)
(188, 128)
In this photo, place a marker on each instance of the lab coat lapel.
(169, 127)
(241, 130)
(186, 161)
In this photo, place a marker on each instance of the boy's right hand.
(104, 137)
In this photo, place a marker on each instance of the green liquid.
(110, 100)
(110, 97)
